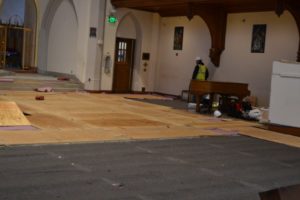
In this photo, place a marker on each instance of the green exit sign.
(112, 19)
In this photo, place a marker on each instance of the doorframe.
(131, 67)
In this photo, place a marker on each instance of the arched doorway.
(127, 54)
(18, 21)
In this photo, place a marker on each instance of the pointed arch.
(50, 12)
(46, 23)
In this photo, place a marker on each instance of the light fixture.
(112, 19)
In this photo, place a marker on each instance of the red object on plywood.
(40, 98)
(63, 78)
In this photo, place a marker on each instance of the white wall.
(145, 41)
(96, 16)
(62, 49)
(175, 72)
(127, 28)
(238, 64)
(70, 47)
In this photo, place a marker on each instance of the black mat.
(207, 168)
(176, 103)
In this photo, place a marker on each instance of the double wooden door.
(123, 69)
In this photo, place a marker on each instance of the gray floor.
(207, 168)
(31, 81)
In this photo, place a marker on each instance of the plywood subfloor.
(83, 117)
(11, 115)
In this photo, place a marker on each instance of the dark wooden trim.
(134, 92)
(284, 129)
(216, 20)
(167, 95)
(283, 193)
(294, 9)
(99, 91)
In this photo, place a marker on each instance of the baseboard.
(21, 70)
(168, 95)
(284, 129)
(99, 91)
(283, 193)
(134, 92)
(58, 74)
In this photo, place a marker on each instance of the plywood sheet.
(49, 121)
(121, 122)
(11, 115)
(84, 117)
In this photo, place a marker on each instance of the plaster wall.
(143, 26)
(127, 28)
(72, 51)
(238, 64)
(95, 45)
(62, 48)
(70, 19)
(175, 67)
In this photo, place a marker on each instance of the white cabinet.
(285, 94)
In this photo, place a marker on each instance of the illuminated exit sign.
(112, 19)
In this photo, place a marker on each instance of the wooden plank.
(11, 115)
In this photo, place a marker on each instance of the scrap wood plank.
(6, 80)
(11, 115)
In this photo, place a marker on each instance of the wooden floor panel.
(83, 117)
(11, 115)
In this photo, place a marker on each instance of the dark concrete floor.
(176, 103)
(207, 168)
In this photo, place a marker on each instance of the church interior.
(115, 72)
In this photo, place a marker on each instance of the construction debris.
(11, 115)
(6, 80)
(63, 78)
(40, 98)
(44, 89)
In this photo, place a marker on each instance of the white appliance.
(285, 94)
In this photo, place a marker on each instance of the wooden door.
(123, 65)
(3, 35)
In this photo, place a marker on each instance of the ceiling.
(185, 7)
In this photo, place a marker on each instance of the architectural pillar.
(216, 20)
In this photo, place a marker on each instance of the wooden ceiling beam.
(216, 20)
(229, 5)
(294, 8)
